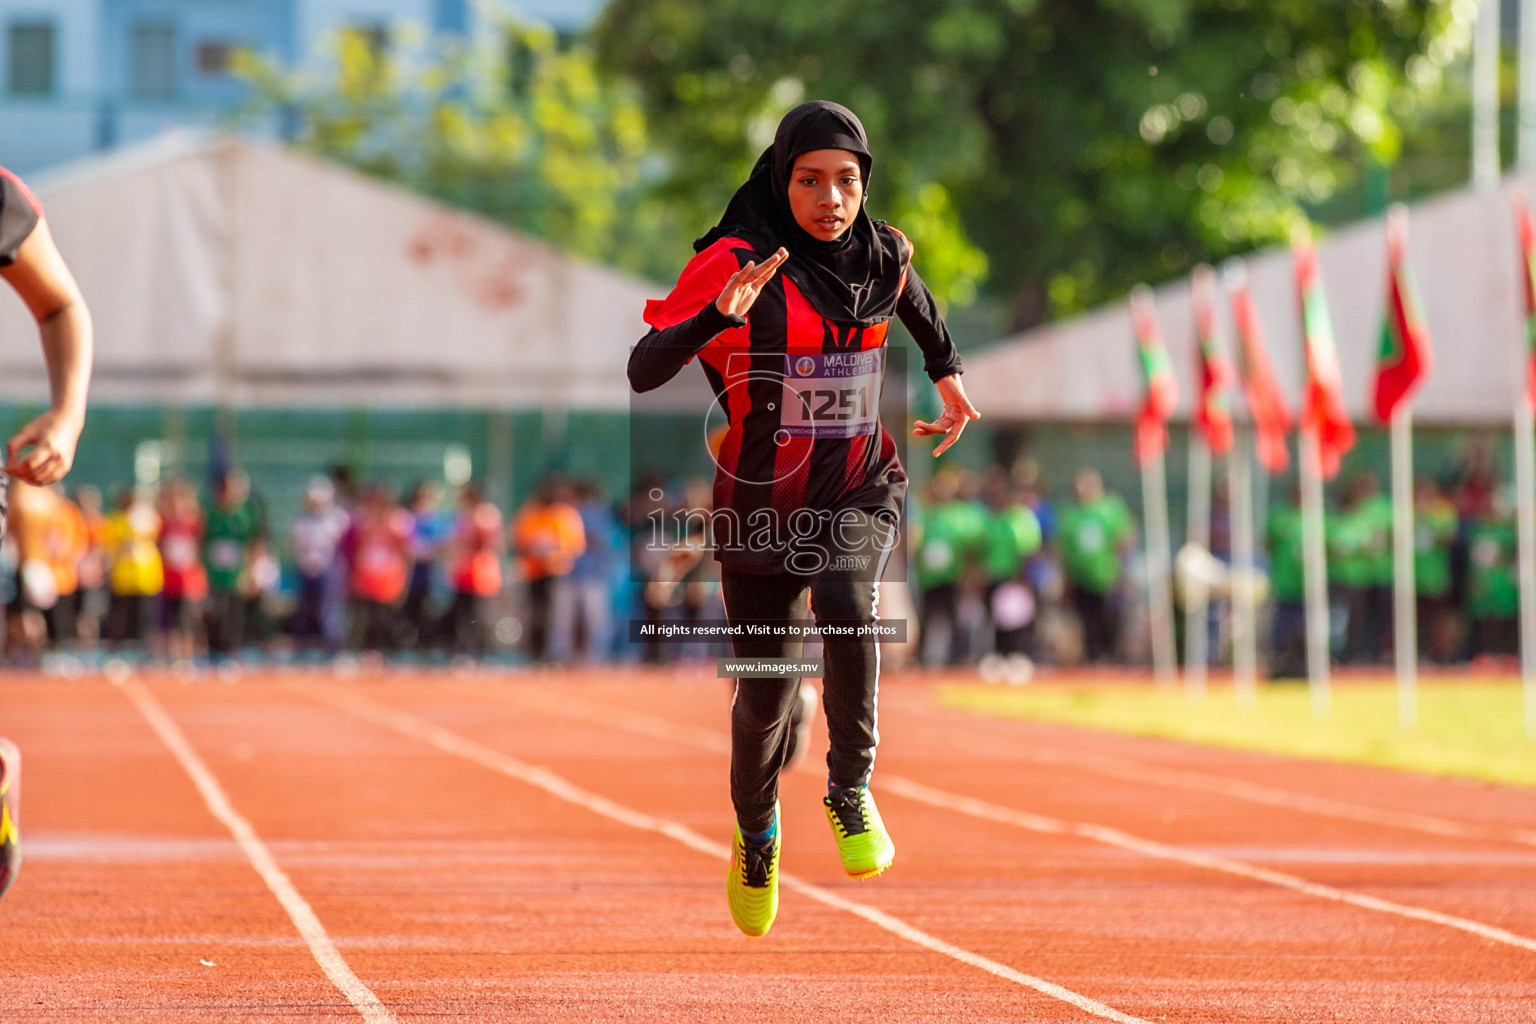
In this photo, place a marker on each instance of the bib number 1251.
(833, 394)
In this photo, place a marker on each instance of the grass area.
(1472, 729)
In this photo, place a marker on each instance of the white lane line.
(313, 932)
(1125, 841)
(1115, 768)
(542, 778)
(1273, 796)
(660, 728)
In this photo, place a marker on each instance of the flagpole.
(1525, 486)
(1154, 495)
(1485, 96)
(1405, 620)
(1315, 567)
(1245, 673)
(1197, 604)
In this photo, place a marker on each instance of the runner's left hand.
(958, 411)
(43, 450)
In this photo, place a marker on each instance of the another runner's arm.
(661, 354)
(919, 314)
(43, 450)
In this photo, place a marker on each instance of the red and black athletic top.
(19, 213)
(800, 393)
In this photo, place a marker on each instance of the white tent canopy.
(223, 271)
(1465, 255)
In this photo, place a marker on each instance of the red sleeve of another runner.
(701, 282)
(19, 213)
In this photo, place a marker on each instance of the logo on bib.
(805, 366)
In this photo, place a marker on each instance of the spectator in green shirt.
(1096, 531)
(1012, 536)
(233, 522)
(1358, 536)
(950, 534)
(1493, 589)
(1376, 510)
(1287, 582)
(1434, 529)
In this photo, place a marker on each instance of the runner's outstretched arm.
(662, 353)
(941, 361)
(43, 451)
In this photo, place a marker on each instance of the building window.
(214, 58)
(154, 61)
(30, 58)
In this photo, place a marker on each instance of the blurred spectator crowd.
(170, 575)
(1000, 573)
(1003, 573)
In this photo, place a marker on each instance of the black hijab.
(853, 280)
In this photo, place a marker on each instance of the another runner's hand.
(958, 411)
(746, 284)
(43, 450)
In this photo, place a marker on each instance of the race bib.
(1090, 536)
(1013, 606)
(937, 555)
(180, 551)
(833, 394)
(226, 554)
(377, 558)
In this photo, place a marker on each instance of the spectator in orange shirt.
(548, 538)
(50, 536)
(90, 599)
(378, 553)
(476, 572)
(69, 538)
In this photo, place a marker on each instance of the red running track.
(546, 848)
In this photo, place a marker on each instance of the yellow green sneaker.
(752, 887)
(862, 841)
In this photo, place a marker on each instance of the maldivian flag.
(1157, 370)
(1322, 409)
(1405, 357)
(1527, 225)
(1271, 418)
(1213, 414)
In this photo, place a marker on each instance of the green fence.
(510, 452)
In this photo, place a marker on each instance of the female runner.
(808, 487)
(43, 450)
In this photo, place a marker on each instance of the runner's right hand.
(747, 283)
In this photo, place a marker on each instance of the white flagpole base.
(1525, 487)
(1245, 656)
(1197, 605)
(1405, 631)
(1314, 562)
(1154, 492)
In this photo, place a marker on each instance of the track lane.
(128, 885)
(551, 913)
(452, 900)
(690, 731)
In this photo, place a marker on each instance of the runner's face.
(825, 191)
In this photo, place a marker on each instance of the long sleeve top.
(661, 354)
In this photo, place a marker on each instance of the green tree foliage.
(527, 133)
(1081, 145)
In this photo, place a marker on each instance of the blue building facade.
(82, 76)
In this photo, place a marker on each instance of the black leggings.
(761, 713)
